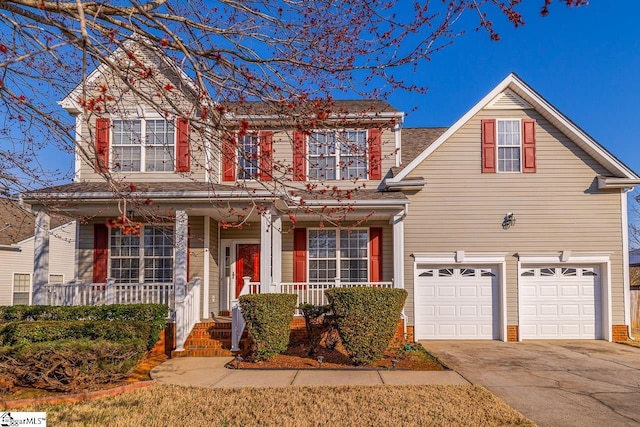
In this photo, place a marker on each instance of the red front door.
(247, 264)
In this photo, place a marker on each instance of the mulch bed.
(408, 356)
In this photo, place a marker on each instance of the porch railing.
(80, 293)
(187, 312)
(314, 293)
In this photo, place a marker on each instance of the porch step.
(211, 338)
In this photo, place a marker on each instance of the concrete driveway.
(553, 383)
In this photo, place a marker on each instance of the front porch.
(198, 259)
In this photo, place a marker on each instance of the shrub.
(154, 314)
(268, 318)
(367, 319)
(320, 326)
(69, 365)
(19, 333)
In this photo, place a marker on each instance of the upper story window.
(143, 145)
(248, 157)
(337, 155)
(509, 145)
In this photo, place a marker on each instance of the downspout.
(625, 260)
(403, 315)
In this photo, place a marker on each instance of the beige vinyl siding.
(196, 247)
(283, 160)
(250, 230)
(126, 105)
(558, 208)
(62, 241)
(387, 248)
(85, 251)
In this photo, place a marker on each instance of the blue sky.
(585, 61)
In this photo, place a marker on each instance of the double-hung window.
(335, 155)
(146, 257)
(338, 254)
(143, 145)
(21, 288)
(248, 156)
(509, 144)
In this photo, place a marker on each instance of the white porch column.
(40, 258)
(276, 248)
(206, 314)
(265, 252)
(398, 251)
(180, 268)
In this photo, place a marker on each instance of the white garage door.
(558, 302)
(454, 302)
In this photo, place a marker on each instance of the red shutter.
(489, 145)
(375, 154)
(299, 156)
(375, 254)
(183, 159)
(529, 145)
(229, 159)
(102, 145)
(100, 253)
(266, 156)
(300, 255)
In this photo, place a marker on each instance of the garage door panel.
(463, 300)
(560, 303)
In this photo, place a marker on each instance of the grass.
(162, 405)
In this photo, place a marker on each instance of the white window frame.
(141, 253)
(498, 146)
(13, 286)
(338, 258)
(338, 155)
(143, 143)
(240, 157)
(56, 274)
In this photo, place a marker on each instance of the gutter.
(12, 248)
(408, 184)
(606, 182)
(388, 115)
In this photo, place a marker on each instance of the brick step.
(211, 339)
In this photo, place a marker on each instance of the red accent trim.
(529, 145)
(300, 255)
(489, 146)
(183, 159)
(246, 252)
(102, 144)
(375, 154)
(299, 156)
(375, 254)
(229, 151)
(100, 253)
(266, 155)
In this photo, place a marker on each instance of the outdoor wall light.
(509, 220)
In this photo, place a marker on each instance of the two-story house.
(510, 224)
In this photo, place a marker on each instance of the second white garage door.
(453, 302)
(560, 302)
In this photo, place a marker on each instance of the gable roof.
(69, 102)
(548, 111)
(18, 224)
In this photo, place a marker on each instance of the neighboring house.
(17, 254)
(510, 224)
(634, 267)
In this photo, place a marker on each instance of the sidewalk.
(210, 372)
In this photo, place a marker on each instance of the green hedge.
(70, 365)
(268, 318)
(19, 333)
(153, 314)
(367, 319)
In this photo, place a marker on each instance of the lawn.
(163, 405)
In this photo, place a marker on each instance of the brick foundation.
(619, 333)
(512, 333)
(167, 341)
